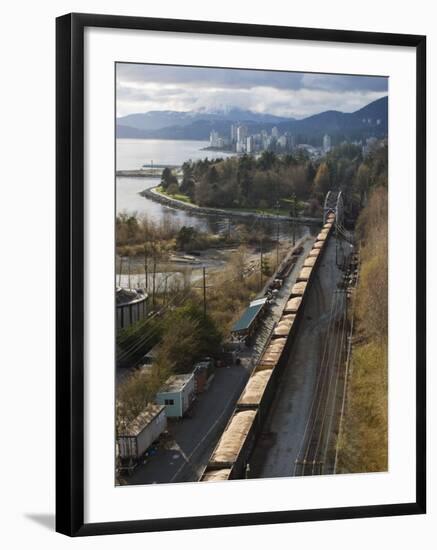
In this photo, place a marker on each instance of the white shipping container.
(187, 394)
(142, 432)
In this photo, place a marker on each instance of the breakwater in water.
(154, 195)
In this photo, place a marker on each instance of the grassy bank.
(178, 196)
(363, 444)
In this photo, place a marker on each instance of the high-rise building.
(282, 142)
(326, 143)
(291, 141)
(241, 133)
(234, 133)
(249, 145)
(267, 142)
(275, 132)
(240, 146)
(214, 139)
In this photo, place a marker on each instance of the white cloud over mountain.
(142, 88)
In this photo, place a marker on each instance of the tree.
(267, 160)
(212, 176)
(187, 188)
(173, 189)
(238, 263)
(322, 181)
(265, 266)
(180, 345)
(185, 236)
(289, 160)
(362, 181)
(190, 335)
(298, 177)
(137, 390)
(311, 171)
(167, 178)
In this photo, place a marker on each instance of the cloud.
(203, 76)
(142, 88)
(342, 83)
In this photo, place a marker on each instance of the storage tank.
(131, 306)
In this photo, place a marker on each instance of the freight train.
(230, 458)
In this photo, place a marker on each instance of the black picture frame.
(70, 272)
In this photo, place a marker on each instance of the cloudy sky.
(142, 88)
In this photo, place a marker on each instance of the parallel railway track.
(313, 454)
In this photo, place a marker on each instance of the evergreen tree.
(167, 178)
(322, 180)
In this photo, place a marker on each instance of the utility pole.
(165, 289)
(128, 271)
(121, 271)
(277, 235)
(261, 264)
(203, 288)
(293, 216)
(146, 269)
(294, 219)
(337, 234)
(277, 246)
(154, 278)
(204, 292)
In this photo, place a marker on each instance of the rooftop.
(129, 295)
(249, 316)
(142, 420)
(176, 383)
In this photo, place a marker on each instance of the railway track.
(314, 457)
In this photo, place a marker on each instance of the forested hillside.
(364, 445)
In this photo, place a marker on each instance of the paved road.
(284, 429)
(193, 439)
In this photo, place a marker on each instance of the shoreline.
(154, 172)
(154, 195)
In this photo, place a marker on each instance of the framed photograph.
(240, 274)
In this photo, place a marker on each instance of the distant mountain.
(157, 120)
(370, 120)
(129, 132)
(374, 110)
